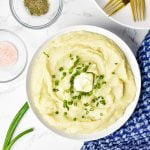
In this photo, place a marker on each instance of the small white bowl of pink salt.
(13, 56)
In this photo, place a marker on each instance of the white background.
(75, 12)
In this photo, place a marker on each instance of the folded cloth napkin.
(135, 134)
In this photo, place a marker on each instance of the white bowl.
(124, 16)
(135, 69)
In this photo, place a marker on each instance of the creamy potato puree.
(81, 82)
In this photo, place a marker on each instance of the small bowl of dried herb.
(36, 14)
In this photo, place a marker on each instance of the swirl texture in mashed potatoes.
(81, 82)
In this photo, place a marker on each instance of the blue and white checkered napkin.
(135, 134)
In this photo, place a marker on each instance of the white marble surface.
(75, 12)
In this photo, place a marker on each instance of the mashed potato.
(81, 82)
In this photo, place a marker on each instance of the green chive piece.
(79, 97)
(57, 82)
(83, 116)
(101, 77)
(46, 54)
(61, 69)
(57, 112)
(77, 61)
(97, 104)
(104, 82)
(86, 104)
(75, 104)
(53, 76)
(65, 105)
(91, 109)
(70, 103)
(65, 113)
(70, 70)
(87, 112)
(74, 119)
(55, 90)
(85, 68)
(74, 97)
(64, 74)
(70, 55)
(93, 100)
(103, 102)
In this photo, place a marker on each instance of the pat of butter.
(84, 82)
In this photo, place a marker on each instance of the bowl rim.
(128, 111)
(40, 26)
(118, 22)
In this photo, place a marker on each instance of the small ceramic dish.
(134, 67)
(22, 15)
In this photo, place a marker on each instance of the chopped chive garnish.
(79, 67)
(104, 82)
(75, 103)
(79, 97)
(87, 112)
(70, 55)
(55, 90)
(113, 72)
(65, 104)
(116, 63)
(70, 70)
(46, 54)
(74, 119)
(83, 116)
(56, 82)
(77, 61)
(85, 68)
(103, 102)
(101, 76)
(93, 100)
(71, 92)
(65, 113)
(89, 93)
(74, 97)
(86, 104)
(61, 69)
(100, 97)
(98, 86)
(53, 76)
(56, 112)
(97, 104)
(91, 109)
(70, 103)
(64, 74)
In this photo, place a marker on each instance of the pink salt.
(8, 54)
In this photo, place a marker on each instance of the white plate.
(134, 66)
(124, 16)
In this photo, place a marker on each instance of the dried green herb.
(37, 7)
